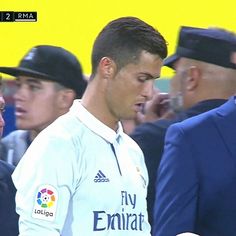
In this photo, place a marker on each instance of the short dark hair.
(123, 40)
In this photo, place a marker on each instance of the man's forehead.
(178, 63)
(29, 79)
(181, 62)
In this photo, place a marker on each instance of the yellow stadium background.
(74, 24)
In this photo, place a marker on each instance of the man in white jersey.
(83, 175)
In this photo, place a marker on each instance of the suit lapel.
(225, 120)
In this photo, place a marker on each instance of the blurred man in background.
(8, 216)
(48, 80)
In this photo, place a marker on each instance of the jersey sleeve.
(176, 186)
(45, 180)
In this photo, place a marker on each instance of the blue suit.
(8, 216)
(196, 183)
(150, 137)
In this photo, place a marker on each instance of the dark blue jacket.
(150, 137)
(196, 184)
(8, 216)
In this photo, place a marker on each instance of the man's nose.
(149, 89)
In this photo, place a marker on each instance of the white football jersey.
(79, 177)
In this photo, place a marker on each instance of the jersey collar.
(96, 125)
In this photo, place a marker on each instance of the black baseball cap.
(51, 63)
(212, 45)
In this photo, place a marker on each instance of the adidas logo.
(100, 177)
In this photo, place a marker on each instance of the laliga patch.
(45, 203)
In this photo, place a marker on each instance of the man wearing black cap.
(204, 79)
(48, 79)
(195, 187)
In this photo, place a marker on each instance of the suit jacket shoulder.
(13, 146)
(8, 216)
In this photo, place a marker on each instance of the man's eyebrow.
(150, 76)
(30, 80)
(33, 80)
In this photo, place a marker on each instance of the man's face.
(132, 86)
(2, 107)
(36, 103)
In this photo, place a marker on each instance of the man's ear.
(107, 67)
(66, 98)
(193, 79)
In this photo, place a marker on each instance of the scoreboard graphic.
(12, 16)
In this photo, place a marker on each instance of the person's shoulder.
(198, 120)
(5, 169)
(128, 140)
(65, 133)
(65, 125)
(204, 118)
(152, 128)
(15, 135)
(190, 127)
(130, 143)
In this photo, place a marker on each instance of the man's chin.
(131, 117)
(22, 126)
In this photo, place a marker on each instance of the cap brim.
(169, 61)
(20, 71)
